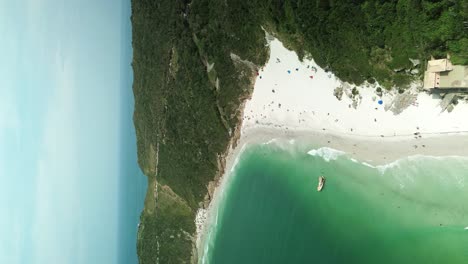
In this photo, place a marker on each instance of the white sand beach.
(303, 99)
(301, 105)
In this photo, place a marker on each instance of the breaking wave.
(326, 153)
(412, 160)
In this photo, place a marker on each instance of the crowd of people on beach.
(303, 116)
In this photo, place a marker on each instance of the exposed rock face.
(350, 91)
(379, 91)
(338, 92)
(248, 69)
(355, 104)
(450, 108)
(236, 59)
(402, 101)
(415, 62)
(446, 103)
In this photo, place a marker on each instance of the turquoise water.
(411, 211)
(71, 190)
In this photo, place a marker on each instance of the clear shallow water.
(411, 211)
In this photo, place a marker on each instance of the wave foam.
(271, 141)
(409, 159)
(395, 164)
(368, 165)
(326, 153)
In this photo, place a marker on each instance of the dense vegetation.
(366, 40)
(185, 115)
(183, 122)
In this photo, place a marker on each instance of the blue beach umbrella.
(289, 71)
(380, 102)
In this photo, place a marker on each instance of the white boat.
(321, 183)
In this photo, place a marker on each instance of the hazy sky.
(59, 122)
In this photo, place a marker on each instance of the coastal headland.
(195, 64)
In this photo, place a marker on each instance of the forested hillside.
(194, 62)
(365, 40)
(183, 121)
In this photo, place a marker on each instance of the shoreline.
(295, 100)
(367, 148)
(360, 148)
(259, 137)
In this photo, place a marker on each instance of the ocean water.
(414, 210)
(133, 183)
(71, 190)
